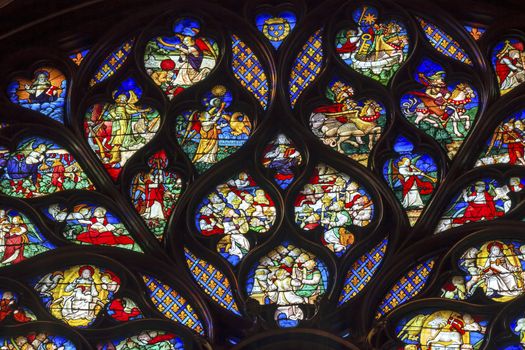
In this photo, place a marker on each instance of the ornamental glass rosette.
(268, 175)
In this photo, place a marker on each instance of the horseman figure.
(438, 106)
(347, 121)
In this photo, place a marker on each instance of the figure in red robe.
(509, 65)
(350, 45)
(514, 141)
(154, 193)
(120, 311)
(412, 184)
(101, 232)
(515, 184)
(7, 305)
(161, 337)
(57, 178)
(20, 316)
(15, 241)
(480, 206)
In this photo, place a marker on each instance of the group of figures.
(38, 167)
(351, 127)
(442, 329)
(177, 62)
(444, 111)
(333, 201)
(374, 49)
(210, 135)
(19, 238)
(45, 93)
(484, 200)
(148, 339)
(36, 341)
(232, 210)
(507, 144)
(115, 131)
(77, 294)
(87, 223)
(495, 267)
(156, 192)
(288, 276)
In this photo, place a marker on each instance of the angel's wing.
(132, 97)
(27, 147)
(206, 47)
(412, 328)
(395, 175)
(415, 159)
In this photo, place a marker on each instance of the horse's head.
(465, 88)
(462, 91)
(369, 103)
(393, 27)
(317, 120)
(469, 92)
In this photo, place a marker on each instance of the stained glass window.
(372, 47)
(262, 175)
(464, 329)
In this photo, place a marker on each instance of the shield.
(276, 28)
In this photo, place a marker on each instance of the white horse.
(334, 132)
(421, 112)
(459, 97)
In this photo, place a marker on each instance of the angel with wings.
(409, 179)
(179, 61)
(192, 51)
